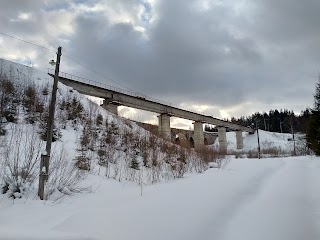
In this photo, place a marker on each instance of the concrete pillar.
(164, 126)
(239, 139)
(222, 137)
(110, 107)
(198, 137)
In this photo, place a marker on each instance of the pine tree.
(136, 160)
(82, 159)
(99, 119)
(313, 131)
(43, 128)
(8, 101)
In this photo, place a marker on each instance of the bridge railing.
(123, 91)
(127, 92)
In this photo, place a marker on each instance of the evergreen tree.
(313, 130)
(8, 100)
(82, 159)
(43, 128)
(99, 119)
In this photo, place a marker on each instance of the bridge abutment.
(222, 137)
(198, 136)
(164, 126)
(110, 107)
(239, 139)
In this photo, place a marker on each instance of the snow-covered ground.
(281, 141)
(275, 199)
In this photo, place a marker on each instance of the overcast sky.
(224, 57)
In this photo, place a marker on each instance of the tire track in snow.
(282, 211)
(215, 227)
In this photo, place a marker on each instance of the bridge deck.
(139, 101)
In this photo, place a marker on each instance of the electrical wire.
(27, 42)
(12, 54)
(75, 61)
(98, 73)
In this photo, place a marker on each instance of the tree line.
(284, 121)
(313, 130)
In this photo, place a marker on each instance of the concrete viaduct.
(181, 136)
(114, 97)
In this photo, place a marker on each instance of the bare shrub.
(83, 163)
(20, 158)
(302, 147)
(252, 154)
(237, 153)
(155, 174)
(273, 151)
(178, 168)
(205, 156)
(64, 176)
(268, 152)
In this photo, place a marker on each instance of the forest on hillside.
(283, 121)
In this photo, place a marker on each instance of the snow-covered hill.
(89, 140)
(114, 199)
(268, 141)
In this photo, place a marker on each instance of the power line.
(98, 73)
(19, 39)
(13, 54)
(75, 61)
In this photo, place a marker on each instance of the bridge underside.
(181, 136)
(117, 97)
(196, 139)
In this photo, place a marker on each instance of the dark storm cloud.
(227, 54)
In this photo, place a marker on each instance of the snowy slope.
(247, 199)
(25, 75)
(120, 141)
(267, 140)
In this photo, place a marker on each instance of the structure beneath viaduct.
(182, 136)
(114, 97)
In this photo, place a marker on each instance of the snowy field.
(276, 198)
(270, 198)
(268, 140)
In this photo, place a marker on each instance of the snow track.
(250, 199)
(282, 209)
(242, 198)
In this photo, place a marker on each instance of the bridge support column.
(222, 137)
(198, 136)
(110, 107)
(164, 126)
(239, 139)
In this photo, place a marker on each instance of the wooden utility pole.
(45, 157)
(294, 141)
(258, 139)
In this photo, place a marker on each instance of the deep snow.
(247, 199)
(274, 198)
(267, 140)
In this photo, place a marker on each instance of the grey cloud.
(267, 52)
(183, 56)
